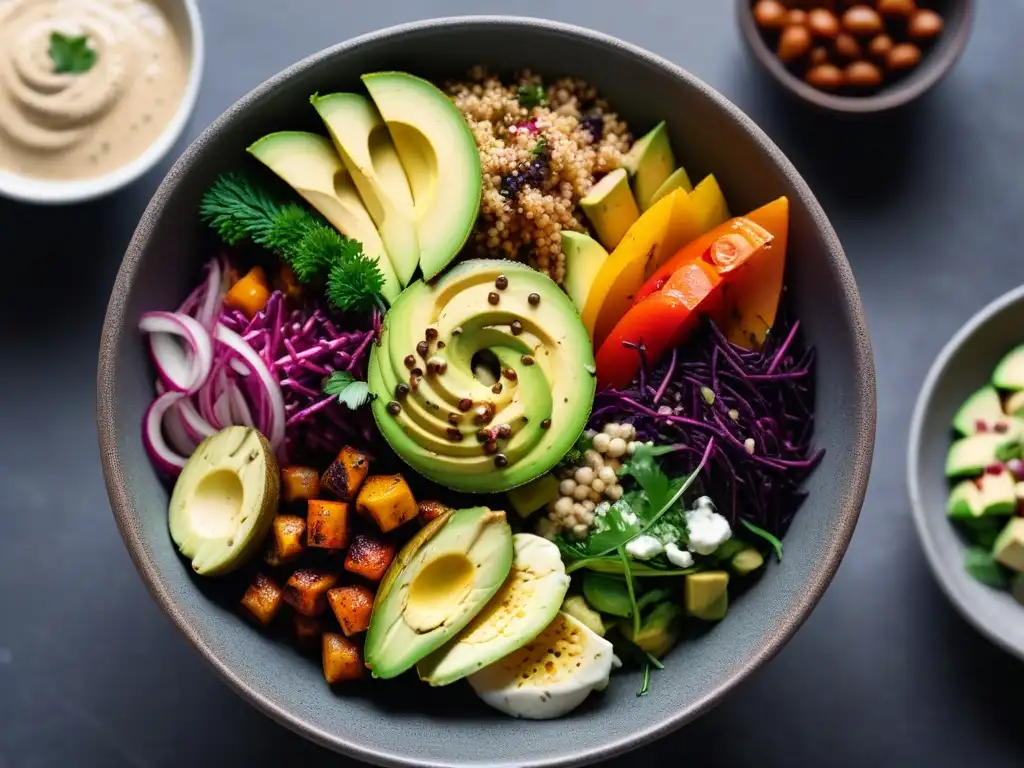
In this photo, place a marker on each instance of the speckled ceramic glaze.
(403, 722)
(964, 366)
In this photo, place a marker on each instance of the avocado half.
(442, 416)
(439, 581)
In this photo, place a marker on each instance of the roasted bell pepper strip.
(659, 323)
(752, 294)
(250, 294)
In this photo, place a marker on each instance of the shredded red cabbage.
(766, 396)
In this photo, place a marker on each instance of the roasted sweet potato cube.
(430, 510)
(299, 483)
(369, 557)
(263, 599)
(346, 473)
(352, 606)
(327, 524)
(307, 630)
(306, 590)
(343, 659)
(286, 539)
(388, 500)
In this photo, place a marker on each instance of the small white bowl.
(49, 192)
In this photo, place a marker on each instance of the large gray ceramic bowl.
(963, 366)
(404, 723)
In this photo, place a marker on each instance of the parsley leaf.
(773, 540)
(350, 391)
(531, 95)
(71, 54)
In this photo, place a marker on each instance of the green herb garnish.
(71, 54)
(634, 609)
(349, 390)
(647, 680)
(982, 565)
(538, 149)
(531, 95)
(773, 540)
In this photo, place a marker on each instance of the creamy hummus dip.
(85, 123)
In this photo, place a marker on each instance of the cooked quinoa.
(537, 161)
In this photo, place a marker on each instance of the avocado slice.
(1009, 373)
(659, 630)
(746, 561)
(370, 157)
(709, 203)
(964, 502)
(1017, 588)
(707, 595)
(441, 579)
(584, 257)
(982, 409)
(998, 494)
(1014, 405)
(577, 607)
(678, 179)
(528, 498)
(970, 455)
(611, 208)
(445, 422)
(440, 159)
(309, 164)
(224, 500)
(1009, 547)
(650, 162)
(526, 603)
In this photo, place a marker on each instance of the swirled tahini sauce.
(77, 125)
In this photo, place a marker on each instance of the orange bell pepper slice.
(660, 322)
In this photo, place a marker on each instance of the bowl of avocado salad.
(447, 406)
(966, 487)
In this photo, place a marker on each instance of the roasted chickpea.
(819, 55)
(880, 46)
(794, 43)
(898, 9)
(902, 57)
(924, 25)
(862, 74)
(862, 21)
(823, 24)
(827, 77)
(770, 14)
(847, 47)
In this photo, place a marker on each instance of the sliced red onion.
(239, 408)
(182, 367)
(274, 429)
(210, 304)
(162, 455)
(197, 428)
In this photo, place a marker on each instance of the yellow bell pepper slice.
(709, 202)
(662, 230)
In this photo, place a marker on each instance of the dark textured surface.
(884, 671)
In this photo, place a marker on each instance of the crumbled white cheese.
(678, 557)
(629, 517)
(707, 529)
(644, 547)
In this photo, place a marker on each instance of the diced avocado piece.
(439, 581)
(309, 164)
(707, 595)
(1009, 373)
(979, 412)
(969, 456)
(1015, 404)
(370, 157)
(964, 502)
(709, 203)
(659, 630)
(607, 594)
(440, 158)
(576, 606)
(611, 208)
(679, 179)
(1017, 588)
(584, 258)
(998, 494)
(728, 548)
(224, 500)
(526, 603)
(650, 162)
(1009, 547)
(527, 499)
(746, 561)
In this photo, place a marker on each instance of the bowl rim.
(882, 101)
(939, 567)
(863, 402)
(26, 189)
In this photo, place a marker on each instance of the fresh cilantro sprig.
(71, 54)
(349, 390)
(531, 95)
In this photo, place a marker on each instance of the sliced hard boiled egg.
(549, 676)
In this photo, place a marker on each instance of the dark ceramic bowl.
(963, 366)
(936, 62)
(404, 722)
